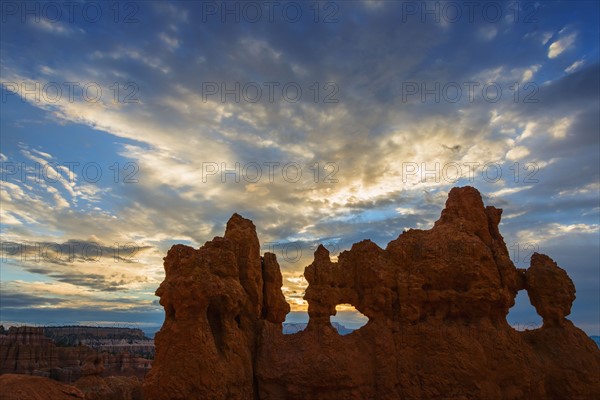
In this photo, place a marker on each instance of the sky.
(127, 127)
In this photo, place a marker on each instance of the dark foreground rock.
(436, 300)
(25, 387)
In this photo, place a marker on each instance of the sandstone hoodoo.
(436, 300)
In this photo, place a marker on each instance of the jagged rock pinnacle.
(436, 300)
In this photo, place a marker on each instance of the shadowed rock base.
(436, 300)
(26, 387)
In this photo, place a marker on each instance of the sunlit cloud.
(374, 162)
(561, 45)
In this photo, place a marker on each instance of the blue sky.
(361, 116)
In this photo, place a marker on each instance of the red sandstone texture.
(25, 350)
(24, 387)
(436, 299)
(110, 388)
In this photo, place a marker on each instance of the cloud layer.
(346, 121)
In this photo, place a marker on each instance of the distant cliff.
(112, 340)
(26, 350)
(295, 327)
(73, 332)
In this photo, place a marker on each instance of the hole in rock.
(170, 311)
(216, 325)
(522, 316)
(295, 321)
(347, 319)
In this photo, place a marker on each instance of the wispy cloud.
(515, 99)
(564, 43)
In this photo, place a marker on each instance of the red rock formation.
(26, 387)
(76, 333)
(215, 299)
(109, 339)
(23, 387)
(110, 388)
(550, 290)
(25, 350)
(436, 299)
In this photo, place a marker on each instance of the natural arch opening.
(295, 321)
(347, 319)
(294, 289)
(523, 316)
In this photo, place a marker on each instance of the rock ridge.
(436, 300)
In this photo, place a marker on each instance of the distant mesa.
(436, 301)
(72, 362)
(290, 328)
(67, 354)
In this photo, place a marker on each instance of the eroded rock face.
(26, 350)
(27, 387)
(217, 301)
(550, 290)
(110, 388)
(436, 299)
(24, 387)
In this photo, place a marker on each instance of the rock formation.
(23, 387)
(71, 334)
(26, 387)
(26, 350)
(216, 301)
(110, 388)
(436, 300)
(110, 339)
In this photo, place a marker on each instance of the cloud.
(561, 45)
(170, 41)
(83, 264)
(517, 153)
(353, 153)
(575, 66)
(554, 231)
(24, 300)
(561, 127)
(488, 33)
(54, 27)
